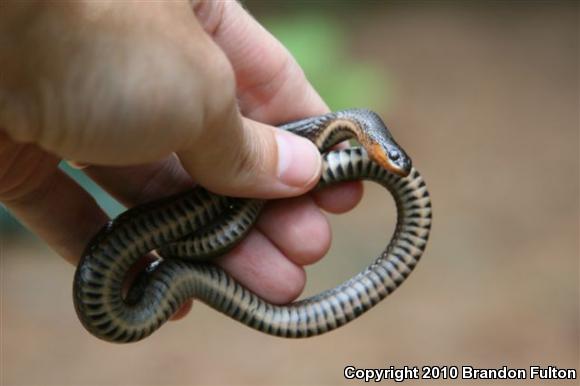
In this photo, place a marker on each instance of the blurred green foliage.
(320, 44)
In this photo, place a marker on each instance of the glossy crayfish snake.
(190, 228)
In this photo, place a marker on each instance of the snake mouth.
(402, 171)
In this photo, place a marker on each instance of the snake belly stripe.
(167, 284)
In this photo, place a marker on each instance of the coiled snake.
(190, 228)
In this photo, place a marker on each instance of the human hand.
(151, 97)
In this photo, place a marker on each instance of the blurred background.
(484, 96)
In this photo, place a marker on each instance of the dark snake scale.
(189, 229)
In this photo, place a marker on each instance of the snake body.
(190, 228)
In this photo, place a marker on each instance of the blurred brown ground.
(485, 98)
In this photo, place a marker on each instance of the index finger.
(272, 88)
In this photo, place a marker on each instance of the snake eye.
(394, 155)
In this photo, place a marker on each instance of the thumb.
(239, 157)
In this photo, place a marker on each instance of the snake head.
(375, 137)
(387, 153)
(392, 158)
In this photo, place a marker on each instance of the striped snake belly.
(198, 225)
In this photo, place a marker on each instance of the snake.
(189, 229)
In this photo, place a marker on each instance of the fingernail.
(299, 161)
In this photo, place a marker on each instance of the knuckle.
(25, 171)
(210, 14)
(221, 84)
(249, 160)
(256, 154)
